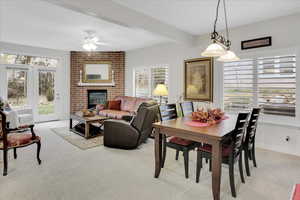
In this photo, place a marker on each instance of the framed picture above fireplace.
(98, 72)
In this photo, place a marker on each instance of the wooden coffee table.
(87, 121)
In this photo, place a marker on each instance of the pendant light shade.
(214, 50)
(228, 57)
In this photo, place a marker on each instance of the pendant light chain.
(226, 22)
(217, 16)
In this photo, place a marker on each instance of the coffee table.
(87, 121)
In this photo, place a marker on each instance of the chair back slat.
(168, 112)
(251, 129)
(187, 108)
(238, 134)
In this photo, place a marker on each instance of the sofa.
(128, 107)
(129, 135)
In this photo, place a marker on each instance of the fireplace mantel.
(96, 84)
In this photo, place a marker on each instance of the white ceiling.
(41, 24)
(125, 24)
(196, 16)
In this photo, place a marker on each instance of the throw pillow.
(114, 105)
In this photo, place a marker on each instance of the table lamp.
(160, 90)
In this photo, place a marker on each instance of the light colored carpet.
(77, 140)
(68, 173)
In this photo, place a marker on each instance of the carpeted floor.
(100, 173)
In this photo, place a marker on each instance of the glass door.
(46, 108)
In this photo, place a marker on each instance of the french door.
(33, 87)
(45, 95)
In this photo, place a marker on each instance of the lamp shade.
(160, 90)
(228, 57)
(214, 50)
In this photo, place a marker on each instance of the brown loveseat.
(128, 107)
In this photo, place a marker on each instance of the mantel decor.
(198, 79)
(97, 74)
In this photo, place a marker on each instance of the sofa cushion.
(130, 104)
(114, 105)
(115, 114)
(296, 192)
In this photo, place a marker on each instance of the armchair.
(129, 135)
(15, 140)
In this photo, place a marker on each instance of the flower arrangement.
(210, 116)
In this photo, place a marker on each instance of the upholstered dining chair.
(231, 151)
(169, 112)
(249, 143)
(187, 108)
(14, 140)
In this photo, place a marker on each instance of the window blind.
(277, 84)
(268, 82)
(239, 85)
(146, 80)
(142, 83)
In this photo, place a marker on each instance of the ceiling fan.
(91, 41)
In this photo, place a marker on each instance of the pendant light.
(230, 55)
(220, 46)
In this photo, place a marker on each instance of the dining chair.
(231, 151)
(169, 112)
(187, 108)
(249, 142)
(14, 140)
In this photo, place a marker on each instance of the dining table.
(212, 134)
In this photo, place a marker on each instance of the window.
(29, 60)
(146, 80)
(268, 82)
(17, 87)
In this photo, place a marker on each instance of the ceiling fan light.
(214, 50)
(228, 57)
(89, 46)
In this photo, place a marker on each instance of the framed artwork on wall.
(100, 72)
(198, 79)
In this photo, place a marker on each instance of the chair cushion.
(180, 141)
(296, 192)
(114, 114)
(114, 105)
(19, 139)
(226, 150)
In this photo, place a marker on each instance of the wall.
(272, 130)
(78, 93)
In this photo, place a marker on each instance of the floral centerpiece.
(210, 116)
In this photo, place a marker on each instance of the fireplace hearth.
(96, 97)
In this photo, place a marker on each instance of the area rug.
(77, 140)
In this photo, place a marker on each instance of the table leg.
(87, 130)
(158, 152)
(216, 169)
(71, 123)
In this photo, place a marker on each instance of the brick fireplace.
(79, 94)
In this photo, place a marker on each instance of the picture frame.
(198, 79)
(97, 72)
(256, 43)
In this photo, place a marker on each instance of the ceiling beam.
(115, 13)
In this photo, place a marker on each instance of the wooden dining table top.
(215, 131)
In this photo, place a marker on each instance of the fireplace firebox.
(96, 97)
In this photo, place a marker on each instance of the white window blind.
(142, 83)
(146, 79)
(268, 82)
(239, 85)
(277, 85)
